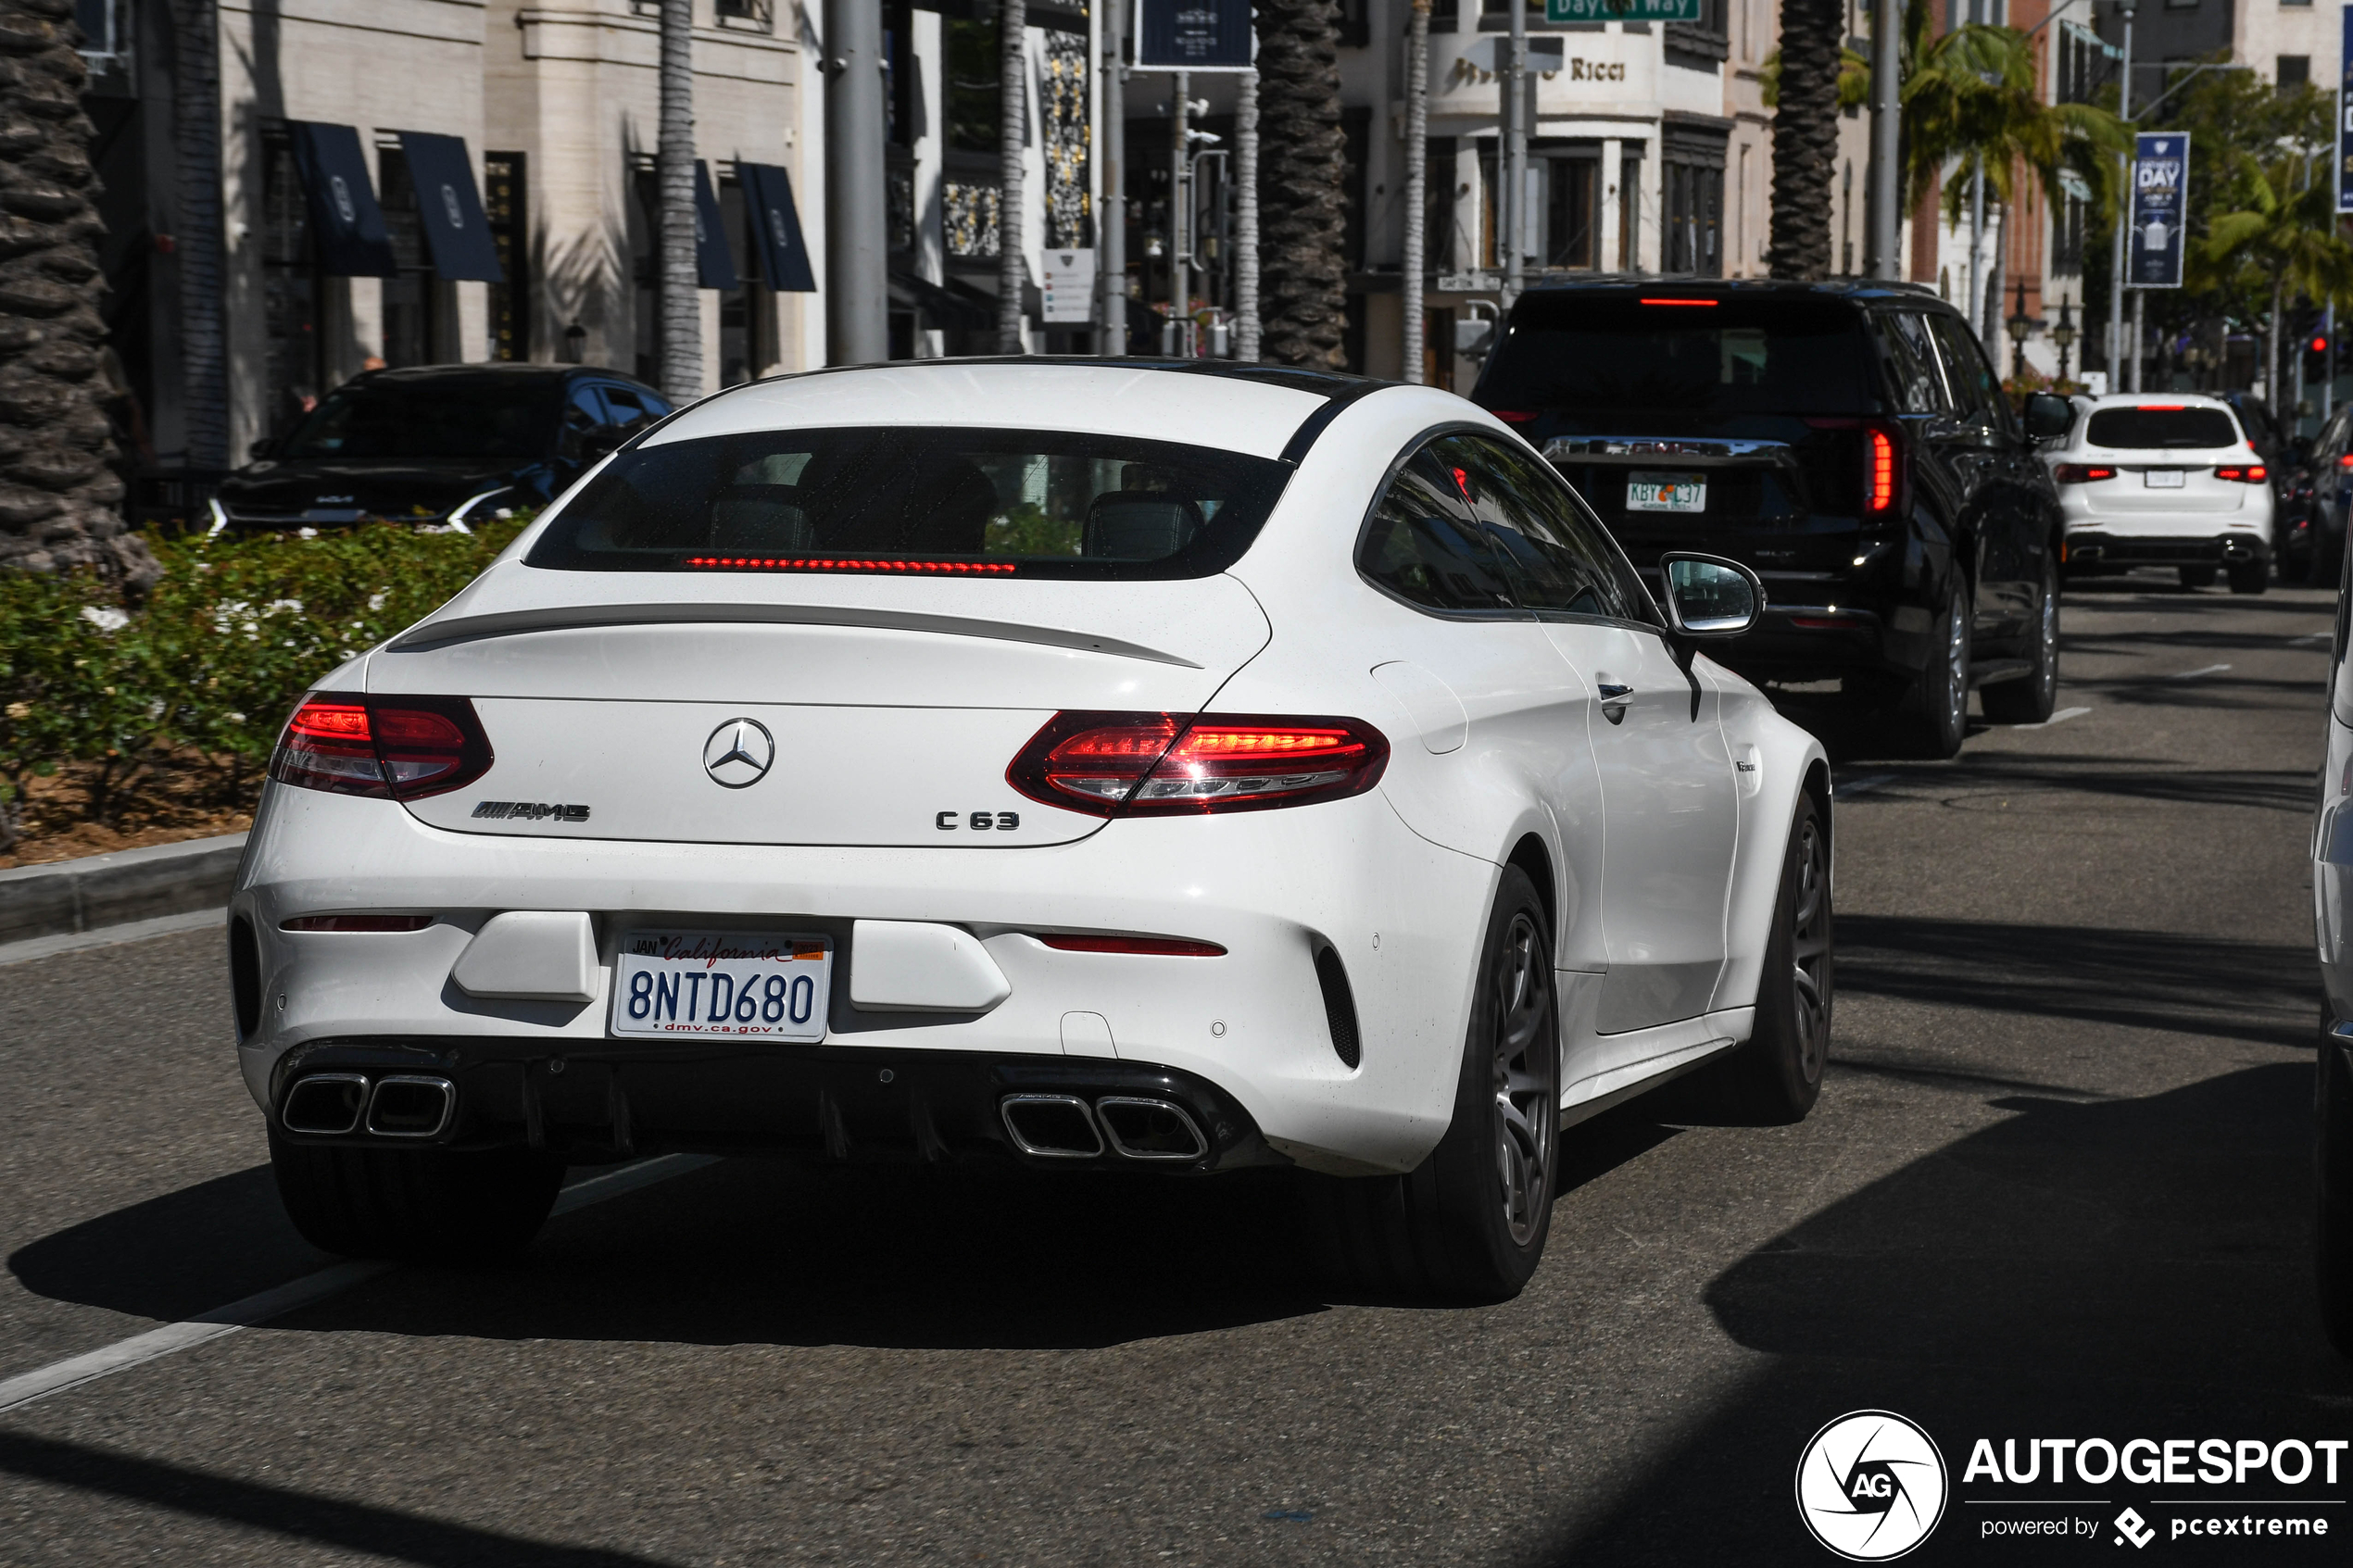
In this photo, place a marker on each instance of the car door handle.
(1614, 701)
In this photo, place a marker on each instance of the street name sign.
(1621, 10)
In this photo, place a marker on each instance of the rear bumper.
(2094, 547)
(616, 1100)
(1271, 887)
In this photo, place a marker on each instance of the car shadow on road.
(2142, 979)
(2120, 1268)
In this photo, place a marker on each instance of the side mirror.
(1708, 596)
(2048, 416)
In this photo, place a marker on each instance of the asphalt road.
(2056, 1185)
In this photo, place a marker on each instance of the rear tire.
(2254, 577)
(1774, 1078)
(2196, 576)
(1470, 1222)
(2032, 699)
(415, 1205)
(1935, 714)
(2332, 1156)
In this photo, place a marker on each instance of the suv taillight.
(2081, 473)
(388, 747)
(1177, 764)
(2244, 473)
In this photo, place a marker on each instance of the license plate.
(2164, 479)
(1665, 493)
(764, 984)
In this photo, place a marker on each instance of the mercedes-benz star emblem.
(738, 754)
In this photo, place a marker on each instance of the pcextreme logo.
(1870, 1485)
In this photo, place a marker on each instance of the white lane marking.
(2061, 716)
(1841, 788)
(2311, 637)
(2192, 675)
(108, 935)
(276, 1302)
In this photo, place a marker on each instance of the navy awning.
(344, 218)
(711, 261)
(768, 203)
(450, 207)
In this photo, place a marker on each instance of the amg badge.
(533, 809)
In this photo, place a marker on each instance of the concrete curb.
(130, 884)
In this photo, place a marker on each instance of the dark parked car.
(2330, 464)
(436, 444)
(2276, 444)
(1850, 441)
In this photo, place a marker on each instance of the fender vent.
(244, 976)
(1340, 1006)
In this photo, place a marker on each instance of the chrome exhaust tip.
(1150, 1129)
(325, 1104)
(407, 1107)
(1051, 1126)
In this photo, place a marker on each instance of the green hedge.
(208, 666)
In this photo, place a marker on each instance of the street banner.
(1069, 289)
(2344, 120)
(1621, 10)
(2160, 186)
(1193, 35)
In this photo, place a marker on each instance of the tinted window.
(630, 409)
(426, 418)
(1910, 358)
(2152, 426)
(1575, 349)
(1423, 546)
(1977, 396)
(1027, 503)
(1557, 560)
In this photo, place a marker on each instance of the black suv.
(1848, 441)
(435, 444)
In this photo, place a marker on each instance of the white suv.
(2164, 479)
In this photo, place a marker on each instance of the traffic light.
(2316, 357)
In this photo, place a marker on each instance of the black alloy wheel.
(1470, 1222)
(1776, 1076)
(2031, 698)
(2249, 576)
(2333, 1160)
(1937, 711)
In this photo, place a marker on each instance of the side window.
(1423, 546)
(1976, 392)
(1557, 560)
(583, 412)
(626, 409)
(1910, 360)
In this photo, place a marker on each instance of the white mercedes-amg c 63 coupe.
(1115, 765)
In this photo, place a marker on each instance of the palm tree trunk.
(58, 495)
(2272, 376)
(1013, 118)
(1302, 272)
(1805, 139)
(200, 250)
(678, 300)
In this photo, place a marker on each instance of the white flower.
(154, 710)
(19, 710)
(376, 599)
(104, 618)
(306, 534)
(274, 605)
(236, 718)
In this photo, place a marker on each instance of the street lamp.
(2020, 325)
(2063, 335)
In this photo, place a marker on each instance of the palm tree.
(201, 253)
(1806, 138)
(678, 301)
(59, 498)
(2281, 228)
(1013, 118)
(1301, 180)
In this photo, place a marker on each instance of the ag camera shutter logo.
(1871, 1486)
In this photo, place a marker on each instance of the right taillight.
(398, 748)
(2081, 473)
(1879, 472)
(1179, 764)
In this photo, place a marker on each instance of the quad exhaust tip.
(398, 1105)
(1066, 1127)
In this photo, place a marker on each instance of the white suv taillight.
(1178, 764)
(398, 748)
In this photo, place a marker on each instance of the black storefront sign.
(1193, 35)
(345, 222)
(714, 266)
(777, 226)
(450, 208)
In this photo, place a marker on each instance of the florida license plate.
(2163, 479)
(1665, 493)
(764, 985)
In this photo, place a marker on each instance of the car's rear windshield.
(1735, 356)
(917, 500)
(434, 419)
(2157, 425)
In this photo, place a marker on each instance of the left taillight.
(398, 748)
(1185, 764)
